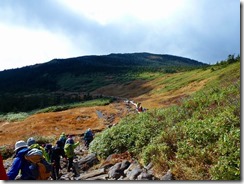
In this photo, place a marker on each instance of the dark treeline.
(20, 103)
(20, 88)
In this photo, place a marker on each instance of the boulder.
(167, 176)
(115, 172)
(145, 176)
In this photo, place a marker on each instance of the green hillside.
(62, 81)
(197, 140)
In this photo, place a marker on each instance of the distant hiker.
(88, 137)
(68, 138)
(57, 152)
(63, 139)
(20, 163)
(3, 175)
(139, 107)
(69, 148)
(31, 142)
(48, 152)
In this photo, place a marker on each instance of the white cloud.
(21, 46)
(38, 31)
(108, 11)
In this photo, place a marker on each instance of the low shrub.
(197, 140)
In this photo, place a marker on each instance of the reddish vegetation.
(115, 158)
(76, 121)
(73, 121)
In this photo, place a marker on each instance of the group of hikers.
(138, 106)
(36, 162)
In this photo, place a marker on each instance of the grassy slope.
(199, 139)
(48, 84)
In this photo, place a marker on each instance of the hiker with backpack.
(31, 142)
(40, 168)
(88, 137)
(63, 139)
(48, 152)
(138, 106)
(40, 159)
(57, 152)
(20, 163)
(3, 175)
(69, 148)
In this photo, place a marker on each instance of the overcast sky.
(38, 31)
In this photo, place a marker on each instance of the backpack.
(69, 150)
(88, 135)
(140, 109)
(40, 168)
(63, 140)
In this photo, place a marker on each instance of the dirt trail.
(72, 121)
(76, 121)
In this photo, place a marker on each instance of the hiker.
(31, 142)
(88, 137)
(139, 107)
(3, 175)
(63, 139)
(48, 152)
(40, 168)
(57, 151)
(69, 148)
(20, 163)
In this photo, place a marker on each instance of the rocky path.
(115, 167)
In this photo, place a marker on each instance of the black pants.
(70, 164)
(87, 142)
(55, 171)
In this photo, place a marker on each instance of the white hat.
(20, 144)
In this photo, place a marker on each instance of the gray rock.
(115, 172)
(132, 175)
(167, 176)
(88, 161)
(145, 176)
(149, 166)
(132, 166)
(124, 165)
(91, 174)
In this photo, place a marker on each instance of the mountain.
(48, 76)
(81, 75)
(191, 128)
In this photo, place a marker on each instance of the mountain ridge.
(82, 74)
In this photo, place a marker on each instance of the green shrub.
(42, 140)
(228, 165)
(197, 140)
(6, 151)
(89, 103)
(11, 117)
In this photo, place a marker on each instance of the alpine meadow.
(190, 128)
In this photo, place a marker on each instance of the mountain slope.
(197, 139)
(36, 86)
(46, 76)
(193, 128)
(165, 90)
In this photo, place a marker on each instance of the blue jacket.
(20, 164)
(88, 135)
